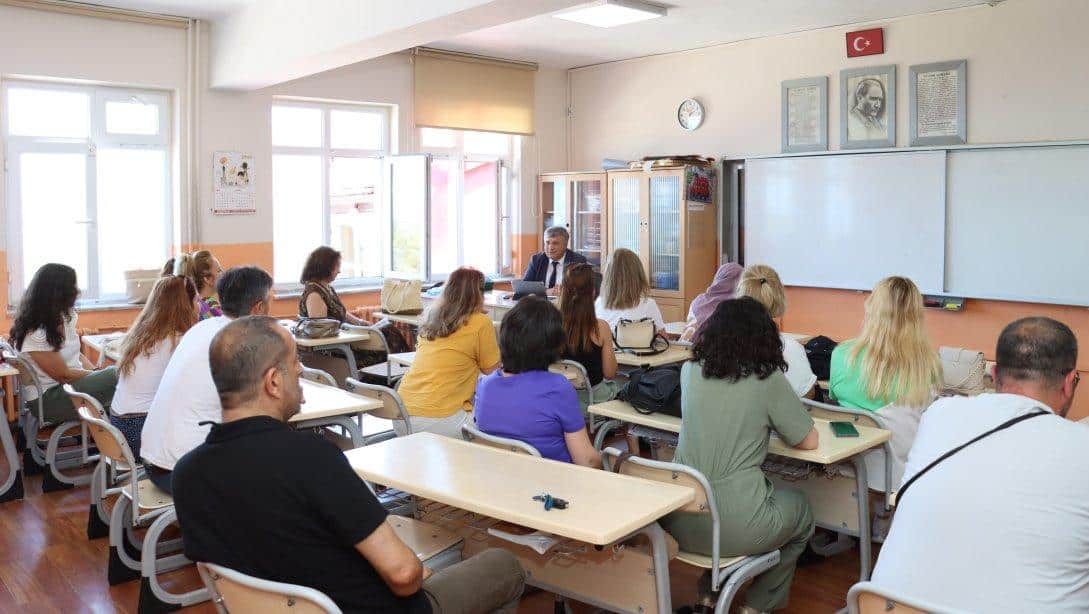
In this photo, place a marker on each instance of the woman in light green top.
(891, 361)
(733, 393)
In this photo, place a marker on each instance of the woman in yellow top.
(456, 344)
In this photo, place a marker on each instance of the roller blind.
(470, 93)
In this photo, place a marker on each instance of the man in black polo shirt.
(282, 505)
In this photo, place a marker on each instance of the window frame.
(328, 154)
(504, 162)
(97, 138)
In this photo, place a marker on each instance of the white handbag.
(401, 296)
(639, 337)
(963, 370)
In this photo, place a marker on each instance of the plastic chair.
(376, 342)
(238, 593)
(868, 598)
(47, 454)
(580, 379)
(727, 575)
(140, 504)
(393, 407)
(318, 377)
(474, 435)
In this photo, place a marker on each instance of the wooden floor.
(47, 564)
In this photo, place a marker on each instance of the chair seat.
(379, 370)
(425, 539)
(149, 496)
(704, 562)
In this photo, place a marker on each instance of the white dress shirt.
(559, 270)
(1002, 525)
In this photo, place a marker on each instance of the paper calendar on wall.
(232, 176)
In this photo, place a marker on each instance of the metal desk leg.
(349, 357)
(354, 431)
(862, 493)
(660, 554)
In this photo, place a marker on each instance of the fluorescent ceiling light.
(609, 13)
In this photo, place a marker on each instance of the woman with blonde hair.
(762, 283)
(889, 369)
(204, 270)
(456, 344)
(170, 311)
(625, 291)
(588, 339)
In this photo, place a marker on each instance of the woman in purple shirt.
(524, 400)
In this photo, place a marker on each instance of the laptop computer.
(525, 288)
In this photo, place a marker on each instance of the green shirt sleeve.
(785, 410)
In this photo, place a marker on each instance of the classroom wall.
(1025, 58)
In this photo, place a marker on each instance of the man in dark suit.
(548, 265)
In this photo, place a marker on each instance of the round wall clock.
(690, 114)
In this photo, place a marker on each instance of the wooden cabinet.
(650, 214)
(575, 201)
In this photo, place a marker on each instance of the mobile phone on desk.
(843, 429)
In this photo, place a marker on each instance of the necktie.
(552, 277)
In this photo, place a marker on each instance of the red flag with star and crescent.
(866, 42)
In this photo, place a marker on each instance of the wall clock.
(690, 114)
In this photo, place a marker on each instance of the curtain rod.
(103, 12)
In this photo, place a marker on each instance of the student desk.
(832, 451)
(604, 508)
(675, 354)
(108, 346)
(341, 343)
(327, 406)
(411, 320)
(405, 360)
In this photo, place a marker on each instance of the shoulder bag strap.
(1001, 427)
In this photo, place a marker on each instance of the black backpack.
(819, 352)
(654, 391)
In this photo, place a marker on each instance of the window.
(86, 167)
(327, 186)
(466, 218)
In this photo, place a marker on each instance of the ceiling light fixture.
(609, 13)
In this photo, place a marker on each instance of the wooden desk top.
(108, 344)
(674, 354)
(414, 320)
(831, 450)
(602, 507)
(342, 337)
(7, 370)
(325, 402)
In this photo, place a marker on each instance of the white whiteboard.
(1019, 224)
(847, 221)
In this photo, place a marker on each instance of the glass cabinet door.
(624, 213)
(554, 204)
(665, 232)
(587, 238)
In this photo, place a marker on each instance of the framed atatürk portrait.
(867, 115)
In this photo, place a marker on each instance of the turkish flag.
(866, 42)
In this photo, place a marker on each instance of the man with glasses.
(1000, 524)
(548, 266)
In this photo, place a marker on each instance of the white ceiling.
(690, 24)
(197, 9)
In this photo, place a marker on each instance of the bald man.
(284, 505)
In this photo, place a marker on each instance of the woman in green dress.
(733, 394)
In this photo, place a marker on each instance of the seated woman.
(733, 393)
(171, 310)
(204, 270)
(723, 287)
(890, 368)
(45, 329)
(762, 283)
(457, 344)
(589, 341)
(524, 400)
(625, 291)
(319, 299)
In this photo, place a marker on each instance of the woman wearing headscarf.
(723, 287)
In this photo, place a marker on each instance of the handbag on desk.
(654, 391)
(401, 296)
(316, 328)
(962, 370)
(639, 337)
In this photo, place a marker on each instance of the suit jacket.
(540, 264)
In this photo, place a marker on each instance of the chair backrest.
(109, 440)
(239, 593)
(845, 414)
(670, 473)
(868, 598)
(28, 376)
(574, 371)
(472, 434)
(318, 377)
(393, 408)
